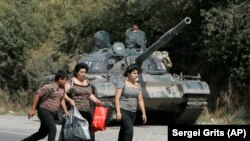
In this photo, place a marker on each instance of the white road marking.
(16, 133)
(10, 132)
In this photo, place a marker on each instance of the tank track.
(193, 110)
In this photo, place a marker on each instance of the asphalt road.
(15, 128)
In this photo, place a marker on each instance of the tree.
(227, 30)
(20, 31)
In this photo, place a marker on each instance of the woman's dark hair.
(80, 66)
(61, 74)
(130, 69)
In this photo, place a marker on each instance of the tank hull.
(185, 99)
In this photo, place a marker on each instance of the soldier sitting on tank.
(135, 38)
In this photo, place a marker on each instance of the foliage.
(227, 31)
(228, 111)
(20, 30)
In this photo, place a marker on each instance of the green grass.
(238, 117)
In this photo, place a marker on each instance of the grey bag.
(76, 127)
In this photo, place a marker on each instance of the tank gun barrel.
(165, 38)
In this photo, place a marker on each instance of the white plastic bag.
(76, 127)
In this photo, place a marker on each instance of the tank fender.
(104, 89)
(193, 87)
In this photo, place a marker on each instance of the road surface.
(15, 128)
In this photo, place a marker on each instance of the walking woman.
(79, 93)
(127, 96)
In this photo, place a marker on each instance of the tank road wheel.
(194, 107)
(111, 116)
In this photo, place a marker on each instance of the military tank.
(182, 97)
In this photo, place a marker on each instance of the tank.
(182, 97)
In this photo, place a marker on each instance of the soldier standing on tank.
(127, 95)
(135, 37)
